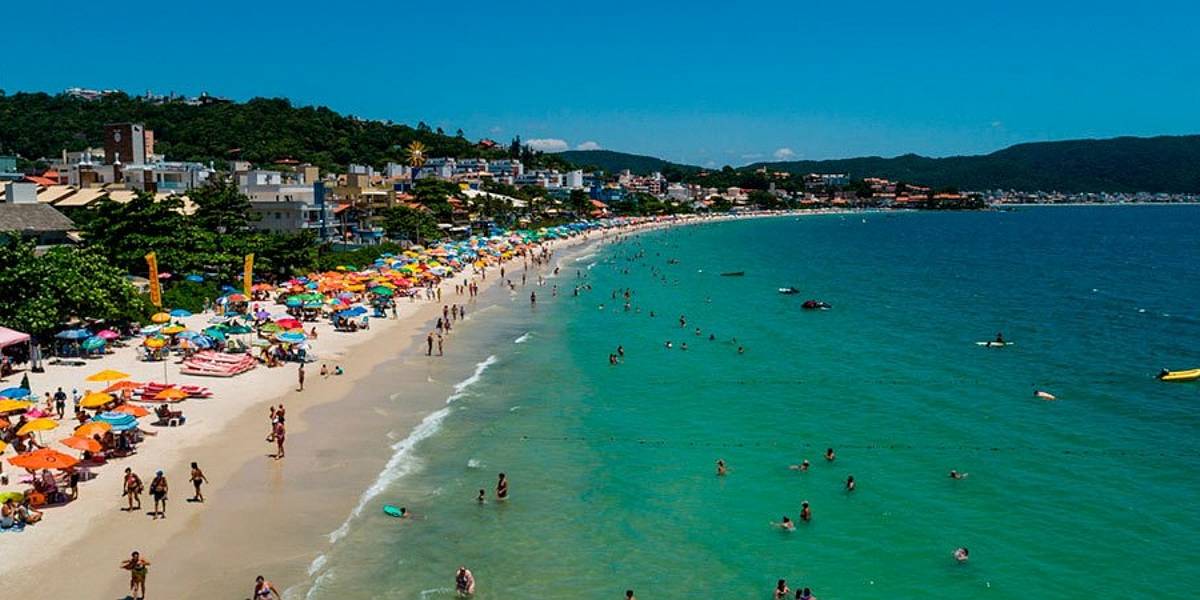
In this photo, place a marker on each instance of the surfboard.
(993, 344)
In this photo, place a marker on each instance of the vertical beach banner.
(155, 289)
(247, 274)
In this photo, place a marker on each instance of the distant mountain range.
(1124, 164)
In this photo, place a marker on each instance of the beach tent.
(8, 337)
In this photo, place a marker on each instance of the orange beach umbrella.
(129, 409)
(171, 395)
(95, 400)
(122, 386)
(89, 429)
(81, 444)
(44, 458)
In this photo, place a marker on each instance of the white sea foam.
(474, 463)
(317, 564)
(402, 462)
(590, 265)
(524, 338)
(584, 257)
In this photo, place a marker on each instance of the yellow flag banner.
(155, 289)
(248, 274)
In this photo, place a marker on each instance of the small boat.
(993, 344)
(815, 305)
(1188, 375)
(789, 290)
(733, 274)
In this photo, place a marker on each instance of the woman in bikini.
(198, 478)
(502, 487)
(133, 490)
(263, 590)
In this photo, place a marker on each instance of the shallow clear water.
(612, 467)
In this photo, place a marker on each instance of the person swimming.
(850, 483)
(829, 455)
(482, 497)
(956, 475)
(721, 468)
(962, 554)
(781, 590)
(802, 467)
(786, 524)
(805, 512)
(668, 344)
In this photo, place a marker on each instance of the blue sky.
(700, 82)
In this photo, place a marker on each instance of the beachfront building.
(21, 213)
(286, 205)
(824, 182)
(8, 169)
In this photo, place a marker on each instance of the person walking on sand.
(158, 490)
(264, 590)
(300, 377)
(279, 432)
(439, 341)
(429, 344)
(133, 490)
(198, 479)
(501, 487)
(137, 567)
(464, 582)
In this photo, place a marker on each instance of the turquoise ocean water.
(612, 467)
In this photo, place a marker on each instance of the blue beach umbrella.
(15, 393)
(150, 329)
(93, 343)
(119, 421)
(180, 313)
(293, 302)
(73, 334)
(290, 337)
(194, 278)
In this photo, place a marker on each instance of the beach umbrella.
(37, 425)
(150, 329)
(8, 405)
(161, 317)
(95, 400)
(173, 329)
(293, 302)
(121, 386)
(155, 343)
(43, 458)
(17, 497)
(236, 298)
(171, 394)
(129, 409)
(108, 375)
(119, 421)
(289, 323)
(290, 337)
(108, 335)
(4, 424)
(228, 288)
(382, 291)
(238, 330)
(215, 334)
(194, 278)
(81, 444)
(91, 428)
(73, 334)
(93, 343)
(180, 313)
(14, 392)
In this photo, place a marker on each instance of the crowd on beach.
(108, 423)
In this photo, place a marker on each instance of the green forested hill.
(1126, 164)
(262, 130)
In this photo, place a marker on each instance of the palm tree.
(416, 155)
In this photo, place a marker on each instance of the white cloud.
(784, 154)
(548, 145)
(588, 145)
(752, 156)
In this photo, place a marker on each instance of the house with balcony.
(287, 205)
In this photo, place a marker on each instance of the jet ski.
(815, 305)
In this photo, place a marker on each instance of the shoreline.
(227, 450)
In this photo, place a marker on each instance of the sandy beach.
(262, 515)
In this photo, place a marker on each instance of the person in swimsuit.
(850, 483)
(805, 512)
(629, 595)
(721, 468)
(786, 524)
(802, 467)
(501, 487)
(805, 594)
(781, 590)
(829, 455)
(133, 490)
(956, 475)
(263, 590)
(482, 497)
(464, 582)
(198, 478)
(279, 433)
(158, 489)
(137, 567)
(962, 554)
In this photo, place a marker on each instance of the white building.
(286, 206)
